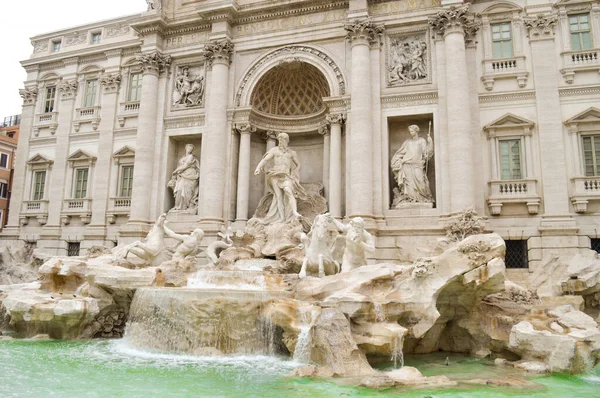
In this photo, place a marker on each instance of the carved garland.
(292, 49)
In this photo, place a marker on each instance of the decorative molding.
(110, 82)
(400, 100)
(93, 58)
(291, 50)
(335, 118)
(576, 91)
(68, 89)
(184, 122)
(218, 52)
(118, 29)
(541, 26)
(508, 124)
(456, 20)
(40, 46)
(245, 128)
(408, 59)
(359, 32)
(29, 95)
(75, 38)
(51, 66)
(154, 62)
(507, 97)
(189, 87)
(81, 157)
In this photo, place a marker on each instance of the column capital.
(154, 62)
(364, 32)
(29, 95)
(110, 82)
(244, 128)
(219, 52)
(456, 20)
(269, 135)
(335, 118)
(541, 27)
(68, 89)
(324, 130)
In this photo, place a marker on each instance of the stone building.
(9, 136)
(506, 95)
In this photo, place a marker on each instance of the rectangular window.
(56, 45)
(502, 40)
(73, 248)
(135, 87)
(81, 180)
(4, 160)
(591, 154)
(510, 159)
(126, 182)
(595, 244)
(50, 98)
(581, 38)
(91, 88)
(96, 37)
(516, 254)
(39, 183)
(3, 190)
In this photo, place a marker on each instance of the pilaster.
(243, 187)
(335, 163)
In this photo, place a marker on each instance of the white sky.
(22, 19)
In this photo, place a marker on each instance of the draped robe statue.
(409, 165)
(184, 182)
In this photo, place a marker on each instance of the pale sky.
(22, 19)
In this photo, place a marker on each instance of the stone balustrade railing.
(504, 192)
(77, 205)
(34, 207)
(504, 68)
(584, 190)
(578, 61)
(87, 115)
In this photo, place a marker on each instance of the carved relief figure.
(184, 182)
(407, 60)
(189, 244)
(281, 167)
(189, 90)
(409, 165)
(358, 242)
(152, 248)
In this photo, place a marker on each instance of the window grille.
(73, 248)
(516, 254)
(595, 244)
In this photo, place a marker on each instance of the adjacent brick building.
(9, 136)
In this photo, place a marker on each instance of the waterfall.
(229, 280)
(379, 312)
(397, 354)
(302, 352)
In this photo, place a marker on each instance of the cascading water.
(302, 352)
(397, 353)
(231, 280)
(379, 311)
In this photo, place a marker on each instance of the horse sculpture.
(318, 257)
(152, 247)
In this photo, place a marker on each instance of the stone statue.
(189, 90)
(184, 182)
(358, 243)
(154, 5)
(189, 244)
(409, 165)
(280, 165)
(151, 249)
(214, 250)
(408, 62)
(318, 257)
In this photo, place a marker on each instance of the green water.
(112, 369)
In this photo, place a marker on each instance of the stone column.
(243, 183)
(29, 95)
(102, 174)
(361, 35)
(153, 63)
(214, 141)
(457, 26)
(335, 164)
(324, 131)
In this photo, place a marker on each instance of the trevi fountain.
(293, 301)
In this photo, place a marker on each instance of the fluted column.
(324, 131)
(360, 141)
(29, 95)
(335, 164)
(457, 26)
(214, 140)
(153, 64)
(243, 184)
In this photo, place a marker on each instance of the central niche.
(291, 89)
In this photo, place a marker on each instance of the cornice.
(577, 91)
(287, 11)
(507, 97)
(398, 100)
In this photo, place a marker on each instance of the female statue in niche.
(409, 165)
(184, 182)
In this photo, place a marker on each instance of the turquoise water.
(112, 369)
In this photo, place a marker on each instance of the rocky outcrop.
(18, 263)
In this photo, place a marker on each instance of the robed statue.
(184, 182)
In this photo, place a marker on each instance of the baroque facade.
(501, 98)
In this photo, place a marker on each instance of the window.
(126, 181)
(50, 98)
(96, 37)
(3, 190)
(89, 98)
(581, 38)
(56, 45)
(516, 254)
(11, 134)
(73, 248)
(591, 155)
(510, 159)
(135, 87)
(39, 183)
(4, 160)
(502, 40)
(595, 244)
(81, 179)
